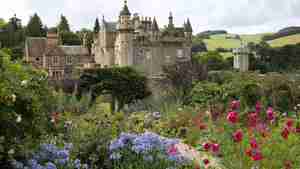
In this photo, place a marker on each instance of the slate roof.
(125, 10)
(111, 26)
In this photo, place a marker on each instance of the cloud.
(242, 16)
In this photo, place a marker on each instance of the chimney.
(52, 38)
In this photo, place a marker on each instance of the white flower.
(180, 109)
(24, 82)
(19, 118)
(52, 120)
(13, 97)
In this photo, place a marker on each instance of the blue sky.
(237, 16)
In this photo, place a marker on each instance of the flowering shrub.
(50, 156)
(147, 149)
(259, 138)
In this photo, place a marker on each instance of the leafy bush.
(25, 105)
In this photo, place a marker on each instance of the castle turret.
(171, 24)
(124, 18)
(188, 30)
(154, 30)
(124, 41)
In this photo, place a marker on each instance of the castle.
(138, 41)
(131, 41)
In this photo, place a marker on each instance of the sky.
(235, 16)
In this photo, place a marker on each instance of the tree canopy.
(124, 84)
(63, 25)
(35, 27)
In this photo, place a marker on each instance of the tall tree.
(35, 27)
(97, 26)
(63, 25)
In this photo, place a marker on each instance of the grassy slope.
(220, 41)
(292, 39)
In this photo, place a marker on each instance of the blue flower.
(50, 165)
(77, 164)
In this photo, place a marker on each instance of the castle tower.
(171, 24)
(154, 30)
(124, 41)
(188, 30)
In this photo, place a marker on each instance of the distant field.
(292, 39)
(220, 41)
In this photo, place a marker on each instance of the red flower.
(249, 152)
(238, 135)
(270, 114)
(172, 151)
(235, 104)
(258, 107)
(232, 117)
(215, 148)
(298, 129)
(206, 146)
(253, 143)
(256, 155)
(285, 133)
(206, 161)
(289, 123)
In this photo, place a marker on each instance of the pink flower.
(215, 148)
(253, 143)
(270, 114)
(206, 161)
(235, 104)
(232, 117)
(206, 146)
(238, 136)
(172, 151)
(252, 119)
(258, 107)
(256, 155)
(285, 133)
(289, 123)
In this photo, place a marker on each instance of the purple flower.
(50, 165)
(77, 164)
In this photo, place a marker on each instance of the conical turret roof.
(188, 26)
(125, 10)
(154, 25)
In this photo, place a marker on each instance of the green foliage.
(213, 60)
(124, 84)
(35, 27)
(63, 25)
(87, 38)
(70, 38)
(2, 23)
(25, 104)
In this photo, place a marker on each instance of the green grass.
(220, 41)
(288, 40)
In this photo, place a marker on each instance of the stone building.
(139, 42)
(241, 58)
(131, 41)
(58, 60)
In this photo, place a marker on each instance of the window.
(179, 53)
(168, 59)
(69, 60)
(57, 75)
(55, 60)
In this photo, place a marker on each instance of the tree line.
(13, 33)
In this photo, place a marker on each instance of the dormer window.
(55, 60)
(179, 53)
(69, 60)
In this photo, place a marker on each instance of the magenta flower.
(232, 117)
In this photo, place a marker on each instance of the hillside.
(229, 41)
(288, 40)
